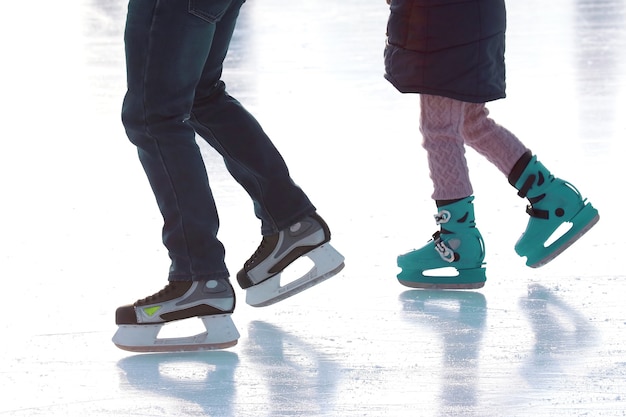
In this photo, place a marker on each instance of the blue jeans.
(174, 52)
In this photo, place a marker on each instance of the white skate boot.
(213, 301)
(261, 274)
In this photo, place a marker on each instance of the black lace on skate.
(257, 253)
(157, 296)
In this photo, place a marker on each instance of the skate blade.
(220, 333)
(466, 279)
(578, 229)
(327, 263)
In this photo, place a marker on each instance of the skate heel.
(220, 333)
(580, 224)
(327, 262)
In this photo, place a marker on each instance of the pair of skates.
(453, 259)
(213, 301)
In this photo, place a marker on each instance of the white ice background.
(80, 231)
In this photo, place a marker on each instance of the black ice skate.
(261, 274)
(212, 301)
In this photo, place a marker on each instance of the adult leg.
(167, 43)
(166, 48)
(248, 152)
(290, 227)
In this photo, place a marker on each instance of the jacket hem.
(420, 89)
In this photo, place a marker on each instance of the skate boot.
(458, 248)
(554, 204)
(213, 301)
(261, 274)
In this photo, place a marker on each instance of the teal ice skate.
(453, 259)
(558, 214)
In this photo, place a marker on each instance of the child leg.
(458, 245)
(553, 202)
(440, 123)
(501, 147)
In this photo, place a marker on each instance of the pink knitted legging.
(448, 124)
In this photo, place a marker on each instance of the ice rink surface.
(81, 232)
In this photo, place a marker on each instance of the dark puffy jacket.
(450, 48)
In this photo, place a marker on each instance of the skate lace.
(157, 296)
(256, 253)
